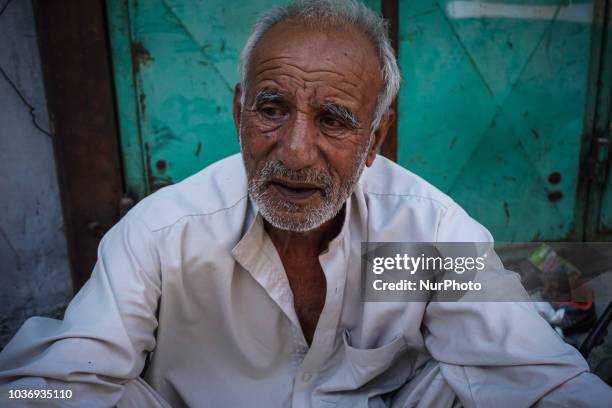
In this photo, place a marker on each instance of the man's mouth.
(295, 191)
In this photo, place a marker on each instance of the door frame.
(73, 44)
(596, 138)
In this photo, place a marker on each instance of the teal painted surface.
(175, 65)
(125, 92)
(491, 111)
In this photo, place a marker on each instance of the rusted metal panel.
(76, 67)
(126, 58)
(492, 105)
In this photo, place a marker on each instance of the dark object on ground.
(599, 332)
(604, 370)
(579, 317)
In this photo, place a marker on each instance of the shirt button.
(306, 377)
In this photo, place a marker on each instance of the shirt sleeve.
(107, 329)
(504, 353)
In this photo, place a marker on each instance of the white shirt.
(191, 276)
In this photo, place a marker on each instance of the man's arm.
(504, 353)
(107, 329)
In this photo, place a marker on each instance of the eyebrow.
(342, 113)
(266, 95)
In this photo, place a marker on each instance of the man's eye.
(331, 122)
(272, 112)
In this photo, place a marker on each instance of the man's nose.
(297, 147)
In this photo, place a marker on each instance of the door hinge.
(598, 163)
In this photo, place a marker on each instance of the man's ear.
(237, 108)
(379, 135)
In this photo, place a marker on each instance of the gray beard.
(275, 211)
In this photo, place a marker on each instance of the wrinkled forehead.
(330, 62)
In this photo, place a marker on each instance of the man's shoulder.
(218, 188)
(387, 179)
(397, 197)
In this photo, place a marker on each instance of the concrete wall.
(34, 271)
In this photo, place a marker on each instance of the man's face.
(305, 127)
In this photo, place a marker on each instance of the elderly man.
(240, 286)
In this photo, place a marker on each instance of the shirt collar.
(256, 253)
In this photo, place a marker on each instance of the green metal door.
(493, 108)
(493, 105)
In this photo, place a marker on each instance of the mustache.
(275, 169)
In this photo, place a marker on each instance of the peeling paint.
(555, 196)
(554, 177)
(142, 103)
(507, 212)
(161, 166)
(140, 55)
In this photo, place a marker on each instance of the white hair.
(319, 13)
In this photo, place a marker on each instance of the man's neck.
(311, 242)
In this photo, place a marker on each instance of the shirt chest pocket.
(363, 372)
